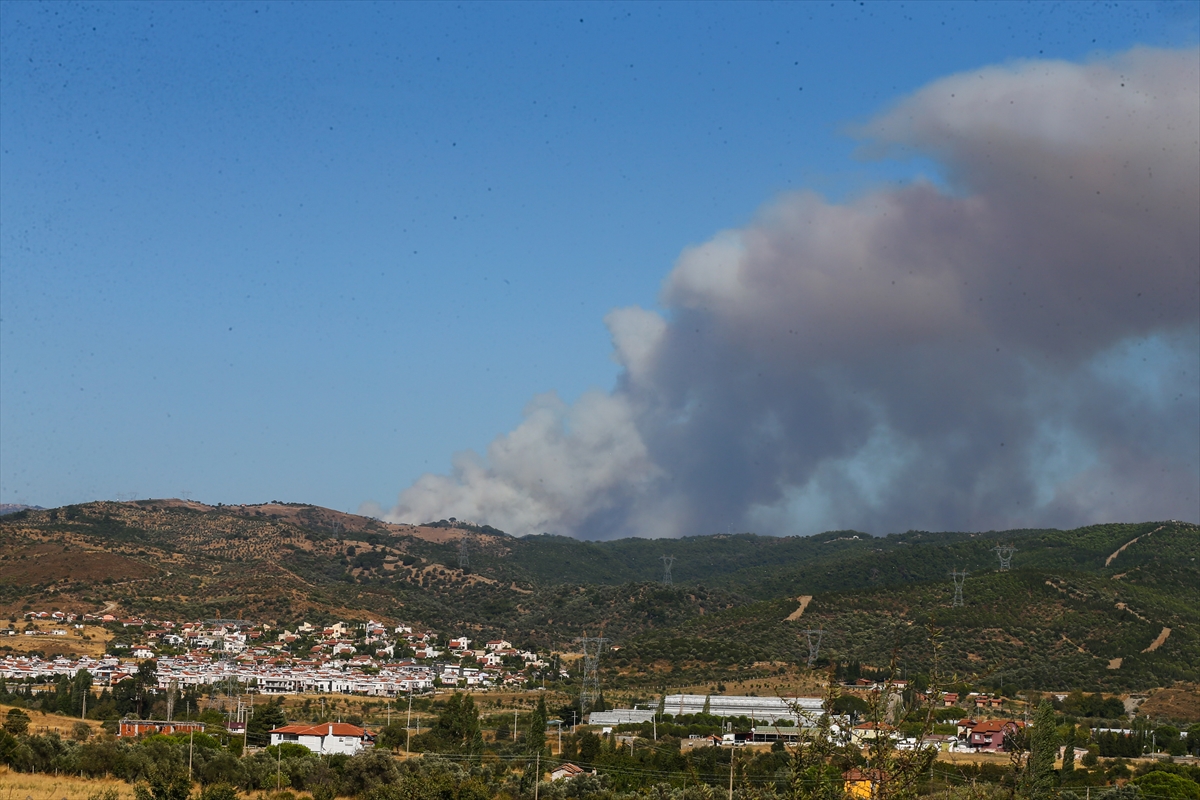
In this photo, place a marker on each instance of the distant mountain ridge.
(1078, 608)
(12, 508)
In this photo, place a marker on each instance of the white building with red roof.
(326, 738)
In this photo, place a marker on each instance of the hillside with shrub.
(1111, 606)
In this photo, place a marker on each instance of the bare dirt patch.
(1115, 663)
(1120, 549)
(1180, 703)
(1124, 607)
(49, 563)
(436, 535)
(1158, 641)
(804, 599)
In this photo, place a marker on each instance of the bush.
(367, 771)
(218, 791)
(17, 722)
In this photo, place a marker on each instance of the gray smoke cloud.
(1019, 347)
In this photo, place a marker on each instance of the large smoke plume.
(1020, 348)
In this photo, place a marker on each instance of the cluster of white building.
(104, 671)
(339, 658)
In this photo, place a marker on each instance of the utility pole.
(731, 754)
(191, 742)
(246, 725)
(537, 773)
(514, 723)
(667, 561)
(408, 724)
(959, 577)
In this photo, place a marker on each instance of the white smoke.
(1018, 349)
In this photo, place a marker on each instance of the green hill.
(1078, 609)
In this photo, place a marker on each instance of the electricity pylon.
(959, 578)
(667, 562)
(464, 553)
(813, 637)
(589, 692)
(1005, 552)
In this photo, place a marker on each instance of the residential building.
(988, 735)
(144, 727)
(326, 738)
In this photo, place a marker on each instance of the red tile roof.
(324, 729)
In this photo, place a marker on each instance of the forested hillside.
(1077, 608)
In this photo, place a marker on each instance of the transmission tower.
(464, 553)
(590, 690)
(667, 562)
(959, 577)
(1005, 551)
(814, 645)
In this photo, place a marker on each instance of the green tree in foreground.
(457, 727)
(1168, 786)
(537, 727)
(265, 719)
(1068, 765)
(17, 722)
(1043, 747)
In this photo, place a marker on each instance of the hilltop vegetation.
(1104, 606)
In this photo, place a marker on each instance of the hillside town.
(370, 658)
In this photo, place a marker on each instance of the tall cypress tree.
(1069, 753)
(537, 727)
(1043, 746)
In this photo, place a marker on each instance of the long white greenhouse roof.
(764, 708)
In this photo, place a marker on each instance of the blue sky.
(307, 252)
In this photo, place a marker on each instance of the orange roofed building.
(989, 734)
(326, 738)
(861, 784)
(145, 727)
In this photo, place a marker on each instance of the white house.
(327, 738)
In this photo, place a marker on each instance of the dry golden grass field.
(51, 723)
(22, 786)
(90, 641)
